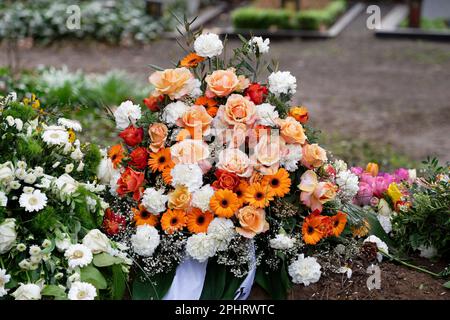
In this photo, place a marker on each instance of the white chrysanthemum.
(174, 111)
(28, 291)
(282, 82)
(201, 197)
(78, 255)
(70, 124)
(201, 246)
(154, 200)
(348, 184)
(4, 279)
(82, 291)
(34, 201)
(127, 113)
(385, 222)
(305, 270)
(222, 230)
(340, 165)
(189, 175)
(146, 240)
(292, 157)
(34, 250)
(381, 245)
(10, 121)
(427, 252)
(3, 199)
(266, 114)
(69, 167)
(55, 135)
(208, 45)
(66, 184)
(260, 44)
(282, 242)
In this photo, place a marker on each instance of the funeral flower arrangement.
(219, 166)
(51, 210)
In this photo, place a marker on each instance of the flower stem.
(409, 265)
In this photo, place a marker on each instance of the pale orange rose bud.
(372, 168)
(221, 83)
(299, 113)
(158, 135)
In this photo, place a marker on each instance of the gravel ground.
(383, 91)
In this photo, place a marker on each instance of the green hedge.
(257, 18)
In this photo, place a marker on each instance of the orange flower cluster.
(316, 226)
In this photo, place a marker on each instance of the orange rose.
(158, 135)
(313, 155)
(252, 221)
(197, 121)
(175, 83)
(292, 131)
(189, 151)
(131, 182)
(235, 161)
(221, 83)
(179, 199)
(299, 113)
(238, 109)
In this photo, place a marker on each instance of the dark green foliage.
(92, 159)
(87, 219)
(275, 283)
(44, 221)
(154, 289)
(30, 149)
(315, 19)
(18, 110)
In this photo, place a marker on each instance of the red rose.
(132, 135)
(131, 182)
(257, 93)
(153, 103)
(139, 157)
(226, 180)
(113, 223)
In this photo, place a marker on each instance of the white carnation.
(196, 90)
(4, 279)
(127, 113)
(260, 44)
(381, 245)
(266, 114)
(348, 184)
(189, 175)
(208, 45)
(305, 270)
(282, 82)
(201, 197)
(3, 199)
(292, 157)
(78, 255)
(201, 246)
(154, 200)
(145, 241)
(82, 291)
(223, 231)
(282, 242)
(174, 111)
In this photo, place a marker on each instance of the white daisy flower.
(82, 291)
(70, 124)
(55, 136)
(78, 255)
(34, 201)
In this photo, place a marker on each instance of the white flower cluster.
(202, 197)
(146, 240)
(282, 82)
(267, 114)
(292, 157)
(282, 242)
(305, 270)
(222, 231)
(208, 45)
(174, 111)
(348, 184)
(189, 175)
(17, 123)
(70, 124)
(201, 246)
(381, 245)
(154, 200)
(127, 113)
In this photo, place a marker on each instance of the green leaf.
(105, 260)
(119, 282)
(232, 285)
(276, 284)
(53, 291)
(447, 285)
(214, 285)
(154, 289)
(92, 275)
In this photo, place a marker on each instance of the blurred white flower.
(261, 45)
(282, 82)
(70, 124)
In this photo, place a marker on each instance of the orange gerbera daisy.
(143, 216)
(313, 228)
(166, 175)
(191, 60)
(212, 111)
(338, 222)
(279, 183)
(224, 203)
(240, 191)
(160, 160)
(206, 102)
(258, 195)
(198, 221)
(115, 153)
(173, 220)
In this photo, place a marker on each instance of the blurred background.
(374, 98)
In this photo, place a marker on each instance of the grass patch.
(429, 24)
